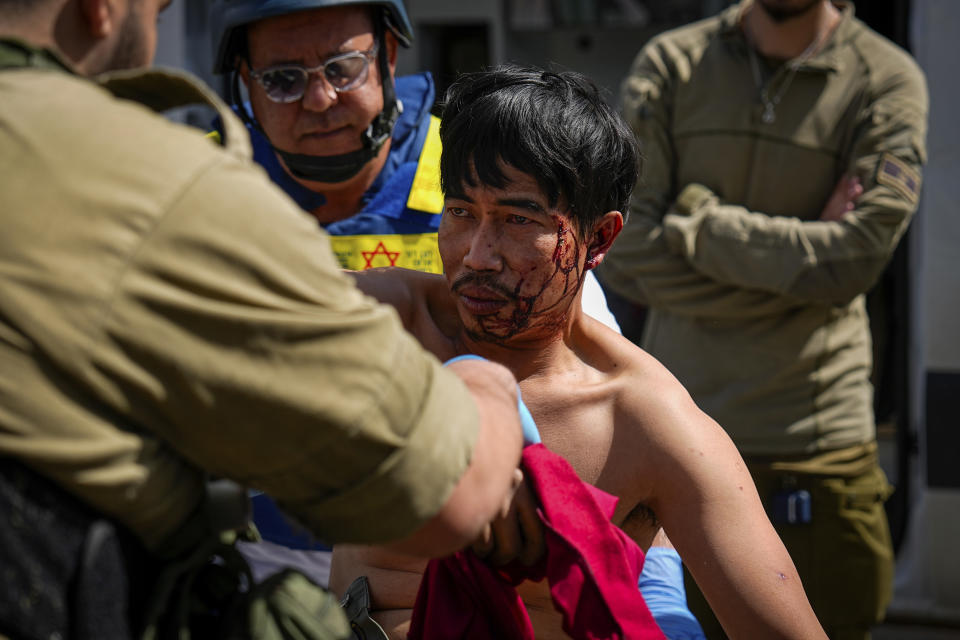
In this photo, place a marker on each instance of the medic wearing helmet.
(354, 147)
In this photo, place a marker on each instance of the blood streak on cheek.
(566, 256)
(558, 251)
(566, 244)
(524, 315)
(496, 328)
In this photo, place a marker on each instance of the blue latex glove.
(531, 435)
(661, 584)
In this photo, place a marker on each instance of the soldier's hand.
(517, 534)
(843, 199)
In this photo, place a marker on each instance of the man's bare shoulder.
(663, 441)
(394, 285)
(633, 371)
(654, 414)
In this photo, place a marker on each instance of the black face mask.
(344, 166)
(339, 168)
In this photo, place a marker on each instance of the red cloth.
(591, 565)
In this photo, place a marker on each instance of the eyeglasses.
(288, 82)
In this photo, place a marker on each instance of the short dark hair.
(552, 125)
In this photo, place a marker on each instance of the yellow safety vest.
(415, 250)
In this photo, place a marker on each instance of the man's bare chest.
(583, 428)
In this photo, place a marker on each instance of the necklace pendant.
(768, 117)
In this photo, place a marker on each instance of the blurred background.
(914, 309)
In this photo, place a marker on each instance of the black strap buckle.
(356, 604)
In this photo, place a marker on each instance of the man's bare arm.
(706, 500)
(394, 578)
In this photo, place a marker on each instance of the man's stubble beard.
(130, 51)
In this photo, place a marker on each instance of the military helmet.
(228, 17)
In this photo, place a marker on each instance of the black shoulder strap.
(18, 54)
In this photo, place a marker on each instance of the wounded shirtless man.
(536, 170)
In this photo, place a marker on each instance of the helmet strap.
(338, 168)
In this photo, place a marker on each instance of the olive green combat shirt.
(167, 313)
(756, 305)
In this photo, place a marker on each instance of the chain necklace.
(769, 115)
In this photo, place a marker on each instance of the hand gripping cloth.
(591, 566)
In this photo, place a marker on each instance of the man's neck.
(339, 205)
(787, 39)
(526, 358)
(32, 24)
(345, 199)
(58, 28)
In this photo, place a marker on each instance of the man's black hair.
(552, 125)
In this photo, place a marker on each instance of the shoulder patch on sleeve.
(894, 173)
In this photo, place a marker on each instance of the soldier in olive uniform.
(166, 315)
(784, 143)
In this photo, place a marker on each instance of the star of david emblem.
(380, 250)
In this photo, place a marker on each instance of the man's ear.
(244, 70)
(100, 16)
(605, 231)
(392, 47)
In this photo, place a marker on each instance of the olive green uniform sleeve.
(686, 251)
(166, 313)
(277, 372)
(643, 265)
